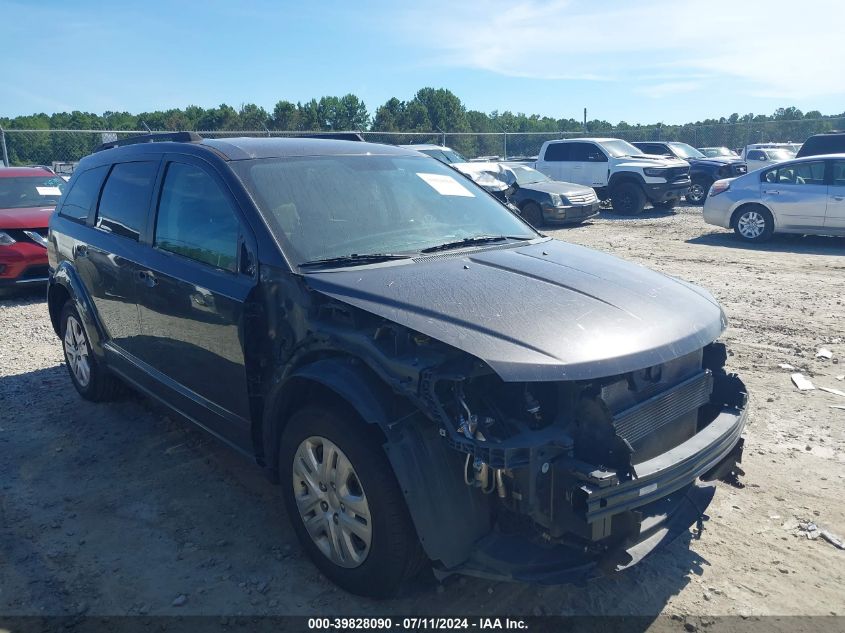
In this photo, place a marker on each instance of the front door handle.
(839, 198)
(81, 250)
(772, 192)
(148, 278)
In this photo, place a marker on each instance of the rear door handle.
(839, 198)
(772, 192)
(148, 278)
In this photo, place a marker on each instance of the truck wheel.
(754, 223)
(532, 214)
(698, 191)
(344, 502)
(628, 198)
(90, 378)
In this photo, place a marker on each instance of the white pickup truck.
(617, 171)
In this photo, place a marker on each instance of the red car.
(28, 196)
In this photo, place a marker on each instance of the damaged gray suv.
(432, 382)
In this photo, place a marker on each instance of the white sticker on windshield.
(446, 185)
(48, 191)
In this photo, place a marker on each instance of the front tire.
(533, 214)
(754, 224)
(628, 199)
(698, 191)
(344, 502)
(89, 377)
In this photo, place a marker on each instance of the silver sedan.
(805, 196)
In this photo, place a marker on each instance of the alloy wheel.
(331, 502)
(696, 193)
(76, 351)
(751, 225)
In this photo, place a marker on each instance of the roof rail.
(177, 137)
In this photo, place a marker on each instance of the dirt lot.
(120, 509)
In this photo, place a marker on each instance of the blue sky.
(642, 62)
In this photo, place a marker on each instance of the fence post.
(3, 143)
(505, 136)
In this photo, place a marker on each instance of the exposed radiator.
(644, 418)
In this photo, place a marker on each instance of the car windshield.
(447, 156)
(717, 151)
(527, 176)
(618, 147)
(323, 207)
(780, 154)
(682, 150)
(30, 191)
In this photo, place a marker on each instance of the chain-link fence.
(49, 147)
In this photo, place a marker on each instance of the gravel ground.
(121, 509)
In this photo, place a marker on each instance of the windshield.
(447, 156)
(30, 191)
(717, 151)
(333, 206)
(527, 176)
(682, 150)
(617, 148)
(780, 154)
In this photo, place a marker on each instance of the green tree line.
(432, 110)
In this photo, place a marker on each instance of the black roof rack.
(177, 137)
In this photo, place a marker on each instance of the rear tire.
(363, 538)
(628, 199)
(754, 223)
(533, 214)
(697, 193)
(89, 377)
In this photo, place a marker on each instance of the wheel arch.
(745, 205)
(65, 285)
(623, 177)
(341, 379)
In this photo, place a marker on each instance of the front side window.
(30, 191)
(83, 195)
(756, 154)
(839, 173)
(322, 207)
(798, 174)
(125, 200)
(196, 218)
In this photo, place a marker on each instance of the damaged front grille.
(637, 422)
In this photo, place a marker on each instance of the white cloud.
(769, 48)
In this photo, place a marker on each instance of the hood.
(543, 311)
(717, 161)
(27, 218)
(562, 188)
(651, 160)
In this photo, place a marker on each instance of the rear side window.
(557, 152)
(196, 218)
(83, 195)
(126, 198)
(756, 154)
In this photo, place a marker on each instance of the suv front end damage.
(582, 476)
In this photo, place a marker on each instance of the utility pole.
(3, 143)
(585, 120)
